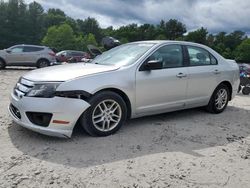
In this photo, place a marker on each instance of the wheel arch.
(124, 97)
(2, 59)
(42, 58)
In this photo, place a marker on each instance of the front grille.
(22, 87)
(15, 111)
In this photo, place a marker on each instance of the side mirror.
(153, 65)
(8, 51)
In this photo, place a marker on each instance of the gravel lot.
(189, 148)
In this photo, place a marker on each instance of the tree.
(36, 23)
(60, 37)
(124, 40)
(130, 32)
(160, 37)
(234, 39)
(243, 51)
(173, 29)
(109, 31)
(147, 32)
(4, 30)
(89, 39)
(210, 40)
(198, 36)
(90, 25)
(54, 17)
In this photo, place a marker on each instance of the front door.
(15, 56)
(163, 89)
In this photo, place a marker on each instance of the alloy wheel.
(221, 99)
(107, 115)
(43, 64)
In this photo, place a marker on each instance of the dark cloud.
(216, 15)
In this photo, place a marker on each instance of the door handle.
(181, 75)
(216, 71)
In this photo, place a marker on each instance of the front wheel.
(219, 100)
(246, 90)
(106, 114)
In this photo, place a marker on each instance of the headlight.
(46, 90)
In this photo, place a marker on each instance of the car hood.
(66, 72)
(2, 51)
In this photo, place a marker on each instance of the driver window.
(170, 55)
(17, 49)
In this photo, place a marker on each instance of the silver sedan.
(129, 81)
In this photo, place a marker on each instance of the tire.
(246, 90)
(42, 63)
(2, 64)
(214, 106)
(94, 125)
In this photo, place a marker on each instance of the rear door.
(203, 75)
(31, 54)
(164, 89)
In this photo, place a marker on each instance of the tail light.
(52, 54)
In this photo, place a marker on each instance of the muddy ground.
(190, 148)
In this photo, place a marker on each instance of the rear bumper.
(62, 109)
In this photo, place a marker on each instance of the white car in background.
(129, 81)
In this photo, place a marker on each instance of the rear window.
(199, 56)
(32, 49)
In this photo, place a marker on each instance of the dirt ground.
(190, 148)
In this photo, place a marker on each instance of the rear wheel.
(106, 114)
(42, 63)
(2, 64)
(219, 99)
(246, 90)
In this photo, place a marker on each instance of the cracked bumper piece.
(55, 116)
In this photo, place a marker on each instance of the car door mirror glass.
(153, 65)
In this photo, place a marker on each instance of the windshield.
(123, 55)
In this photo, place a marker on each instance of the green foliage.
(61, 37)
(198, 36)
(174, 29)
(160, 37)
(36, 21)
(124, 40)
(243, 51)
(54, 17)
(29, 23)
(90, 25)
(89, 39)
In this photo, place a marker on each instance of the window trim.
(39, 49)
(184, 63)
(200, 65)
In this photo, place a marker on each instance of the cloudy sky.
(216, 15)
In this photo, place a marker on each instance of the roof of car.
(159, 42)
(169, 41)
(31, 45)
